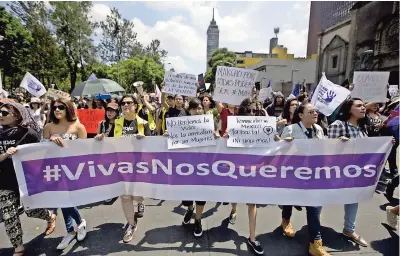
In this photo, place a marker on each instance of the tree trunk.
(73, 80)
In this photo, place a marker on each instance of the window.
(334, 61)
(240, 62)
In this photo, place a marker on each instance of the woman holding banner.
(130, 125)
(304, 126)
(17, 128)
(195, 108)
(65, 126)
(248, 108)
(352, 123)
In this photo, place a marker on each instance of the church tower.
(212, 39)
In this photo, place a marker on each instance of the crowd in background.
(34, 120)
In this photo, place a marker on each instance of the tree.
(73, 30)
(220, 57)
(46, 60)
(14, 46)
(118, 38)
(154, 51)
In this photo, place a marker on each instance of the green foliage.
(53, 41)
(14, 46)
(220, 57)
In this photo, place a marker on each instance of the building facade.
(284, 73)
(212, 39)
(324, 15)
(367, 41)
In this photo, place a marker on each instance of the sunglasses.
(250, 110)
(126, 103)
(61, 108)
(4, 113)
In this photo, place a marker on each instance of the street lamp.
(291, 80)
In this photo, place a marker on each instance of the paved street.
(160, 232)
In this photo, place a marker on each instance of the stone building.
(368, 40)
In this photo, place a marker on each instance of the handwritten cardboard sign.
(56, 94)
(251, 131)
(90, 118)
(233, 85)
(370, 86)
(182, 84)
(190, 131)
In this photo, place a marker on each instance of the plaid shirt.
(338, 129)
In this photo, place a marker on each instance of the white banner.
(328, 96)
(251, 131)
(190, 131)
(302, 172)
(233, 85)
(370, 86)
(182, 84)
(32, 85)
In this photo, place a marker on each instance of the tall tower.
(273, 42)
(212, 39)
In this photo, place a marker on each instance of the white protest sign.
(251, 131)
(233, 85)
(182, 84)
(370, 86)
(328, 96)
(190, 131)
(393, 90)
(56, 94)
(264, 93)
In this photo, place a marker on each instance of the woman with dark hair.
(248, 108)
(304, 126)
(352, 123)
(374, 119)
(177, 110)
(130, 125)
(286, 117)
(195, 108)
(106, 127)
(17, 128)
(208, 105)
(65, 126)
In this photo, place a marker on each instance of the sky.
(181, 27)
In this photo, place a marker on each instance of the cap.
(112, 106)
(35, 100)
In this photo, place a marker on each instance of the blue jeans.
(350, 214)
(313, 222)
(69, 215)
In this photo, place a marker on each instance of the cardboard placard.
(90, 118)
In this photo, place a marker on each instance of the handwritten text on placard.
(190, 131)
(233, 85)
(370, 86)
(182, 84)
(251, 131)
(90, 118)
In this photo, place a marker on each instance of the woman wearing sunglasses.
(248, 108)
(304, 126)
(107, 126)
(130, 125)
(64, 126)
(18, 128)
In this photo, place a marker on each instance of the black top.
(8, 179)
(174, 112)
(130, 128)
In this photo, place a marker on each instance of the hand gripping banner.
(302, 172)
